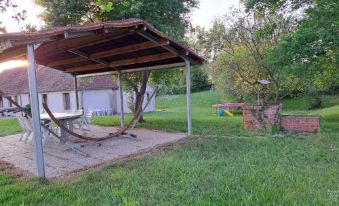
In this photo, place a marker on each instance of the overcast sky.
(208, 10)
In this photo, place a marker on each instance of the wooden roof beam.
(110, 52)
(86, 56)
(169, 48)
(143, 59)
(13, 53)
(130, 48)
(52, 48)
(99, 73)
(124, 62)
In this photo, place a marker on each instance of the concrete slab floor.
(60, 160)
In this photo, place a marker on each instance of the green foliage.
(167, 77)
(237, 44)
(293, 44)
(234, 74)
(68, 12)
(271, 6)
(311, 52)
(30, 28)
(316, 103)
(210, 42)
(104, 7)
(175, 82)
(199, 79)
(170, 17)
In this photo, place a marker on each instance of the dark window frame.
(67, 100)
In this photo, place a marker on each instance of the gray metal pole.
(188, 94)
(35, 111)
(122, 118)
(76, 92)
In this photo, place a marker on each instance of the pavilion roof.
(121, 45)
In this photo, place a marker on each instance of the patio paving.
(61, 161)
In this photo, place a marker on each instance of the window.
(148, 97)
(16, 99)
(67, 101)
(10, 102)
(44, 98)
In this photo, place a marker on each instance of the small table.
(65, 119)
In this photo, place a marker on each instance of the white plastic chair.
(26, 132)
(28, 135)
(86, 121)
(28, 128)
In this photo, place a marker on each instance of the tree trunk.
(138, 105)
(140, 95)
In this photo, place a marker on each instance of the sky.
(203, 16)
(33, 12)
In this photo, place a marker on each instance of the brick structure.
(257, 117)
(297, 123)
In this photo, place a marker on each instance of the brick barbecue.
(256, 117)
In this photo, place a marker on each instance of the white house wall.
(55, 101)
(97, 99)
(89, 99)
(5, 103)
(24, 100)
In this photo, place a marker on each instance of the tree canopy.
(311, 51)
(292, 43)
(170, 17)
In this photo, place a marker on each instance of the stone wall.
(297, 123)
(257, 117)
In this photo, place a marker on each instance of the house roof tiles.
(15, 81)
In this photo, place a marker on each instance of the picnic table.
(65, 119)
(7, 110)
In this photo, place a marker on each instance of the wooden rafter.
(110, 52)
(55, 47)
(128, 49)
(124, 62)
(86, 68)
(13, 53)
(143, 59)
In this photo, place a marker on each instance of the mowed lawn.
(9, 126)
(222, 165)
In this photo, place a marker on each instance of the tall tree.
(170, 17)
(237, 44)
(311, 52)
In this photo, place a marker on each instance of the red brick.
(300, 123)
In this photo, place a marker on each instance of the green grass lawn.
(171, 115)
(9, 126)
(223, 165)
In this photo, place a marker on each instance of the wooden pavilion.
(114, 47)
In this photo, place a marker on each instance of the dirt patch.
(12, 171)
(130, 159)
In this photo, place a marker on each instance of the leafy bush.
(315, 104)
(199, 82)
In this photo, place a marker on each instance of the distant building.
(57, 89)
